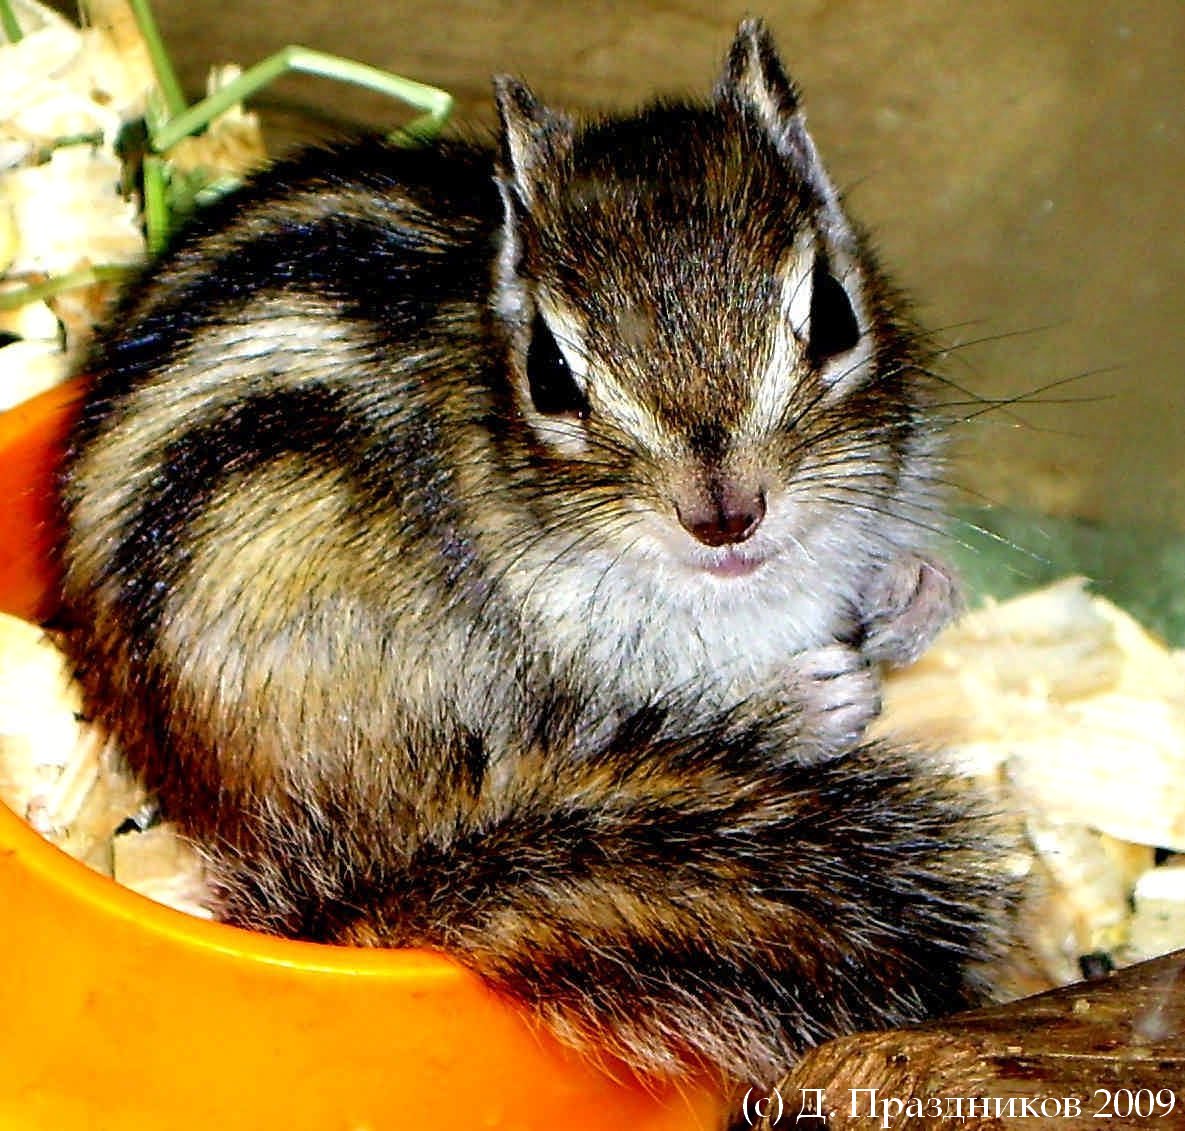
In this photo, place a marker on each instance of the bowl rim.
(105, 897)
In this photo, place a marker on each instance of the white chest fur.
(645, 629)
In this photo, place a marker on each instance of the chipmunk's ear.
(533, 137)
(754, 77)
(755, 80)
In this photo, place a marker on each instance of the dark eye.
(553, 388)
(834, 329)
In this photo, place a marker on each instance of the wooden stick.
(1103, 1054)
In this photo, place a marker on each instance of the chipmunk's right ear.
(533, 138)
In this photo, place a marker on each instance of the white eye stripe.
(604, 391)
(633, 418)
(775, 385)
(570, 340)
(797, 292)
(566, 436)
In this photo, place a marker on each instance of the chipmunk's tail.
(678, 899)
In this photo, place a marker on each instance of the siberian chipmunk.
(484, 548)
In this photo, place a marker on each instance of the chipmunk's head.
(699, 343)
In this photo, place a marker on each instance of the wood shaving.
(1072, 718)
(232, 144)
(63, 775)
(68, 93)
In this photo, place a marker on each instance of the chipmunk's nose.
(728, 517)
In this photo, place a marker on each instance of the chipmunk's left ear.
(533, 138)
(755, 80)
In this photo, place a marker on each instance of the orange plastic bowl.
(116, 1012)
(31, 439)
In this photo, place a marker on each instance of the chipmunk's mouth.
(729, 563)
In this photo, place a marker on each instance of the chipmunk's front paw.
(909, 602)
(839, 695)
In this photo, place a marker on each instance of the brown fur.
(380, 567)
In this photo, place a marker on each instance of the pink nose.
(724, 521)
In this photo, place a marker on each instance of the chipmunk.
(485, 548)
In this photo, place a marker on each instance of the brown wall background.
(1022, 164)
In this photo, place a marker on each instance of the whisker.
(1003, 336)
(1027, 396)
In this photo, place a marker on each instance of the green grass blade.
(436, 103)
(36, 292)
(166, 77)
(156, 205)
(8, 21)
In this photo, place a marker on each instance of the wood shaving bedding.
(1072, 717)
(68, 94)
